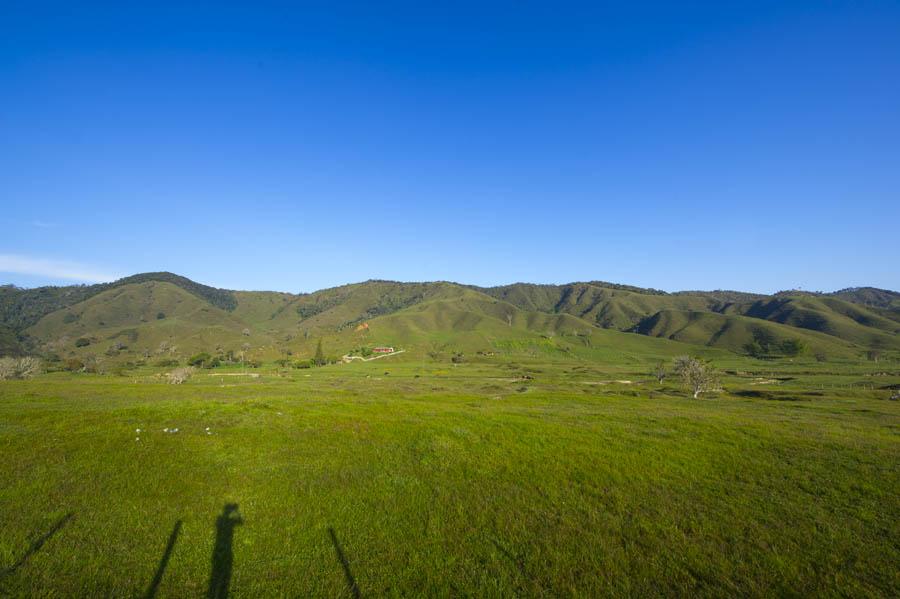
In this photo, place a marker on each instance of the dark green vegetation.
(490, 477)
(523, 440)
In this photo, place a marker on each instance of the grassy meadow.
(497, 477)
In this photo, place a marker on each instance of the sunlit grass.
(418, 478)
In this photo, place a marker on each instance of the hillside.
(155, 315)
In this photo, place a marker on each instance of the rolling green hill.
(734, 333)
(162, 315)
(835, 317)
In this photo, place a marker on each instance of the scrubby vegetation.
(19, 368)
(180, 375)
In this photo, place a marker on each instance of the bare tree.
(509, 318)
(180, 375)
(660, 372)
(245, 332)
(435, 350)
(28, 367)
(8, 369)
(698, 376)
(244, 348)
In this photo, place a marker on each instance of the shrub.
(303, 364)
(200, 359)
(180, 375)
(82, 342)
(7, 368)
(167, 363)
(74, 365)
(93, 364)
(160, 315)
(793, 347)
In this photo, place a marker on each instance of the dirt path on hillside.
(351, 358)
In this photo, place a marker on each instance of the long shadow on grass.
(223, 557)
(351, 582)
(161, 569)
(36, 545)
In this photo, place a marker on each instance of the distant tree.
(754, 349)
(19, 368)
(244, 348)
(94, 364)
(509, 318)
(7, 369)
(82, 342)
(180, 375)
(319, 359)
(28, 367)
(793, 347)
(199, 360)
(873, 355)
(435, 350)
(820, 356)
(660, 372)
(764, 339)
(74, 365)
(160, 315)
(245, 332)
(698, 376)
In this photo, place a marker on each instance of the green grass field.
(408, 477)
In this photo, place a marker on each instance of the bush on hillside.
(82, 342)
(167, 363)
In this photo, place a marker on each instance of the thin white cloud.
(54, 269)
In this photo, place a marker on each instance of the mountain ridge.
(145, 305)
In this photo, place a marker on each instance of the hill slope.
(149, 314)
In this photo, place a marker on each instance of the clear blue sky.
(679, 145)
